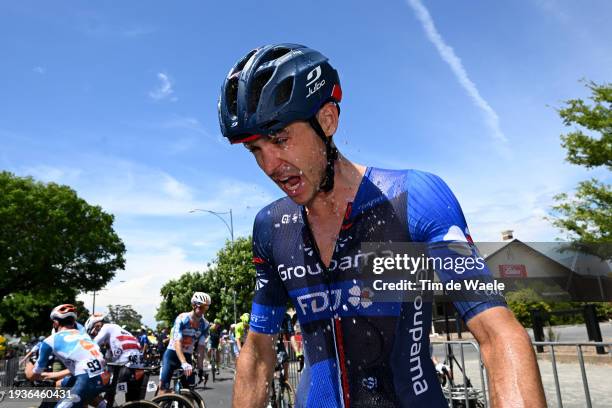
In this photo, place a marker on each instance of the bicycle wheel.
(173, 401)
(287, 397)
(193, 395)
(140, 404)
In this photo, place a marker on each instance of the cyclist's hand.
(187, 368)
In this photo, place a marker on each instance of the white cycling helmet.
(63, 312)
(200, 297)
(93, 319)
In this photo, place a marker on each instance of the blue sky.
(118, 101)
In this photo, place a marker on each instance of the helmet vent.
(283, 91)
(274, 54)
(240, 66)
(231, 95)
(258, 83)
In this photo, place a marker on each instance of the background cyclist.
(81, 356)
(123, 348)
(190, 330)
(240, 332)
(213, 343)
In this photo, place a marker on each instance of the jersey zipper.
(336, 326)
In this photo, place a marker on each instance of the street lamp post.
(230, 228)
(93, 306)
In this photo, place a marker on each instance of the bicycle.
(282, 394)
(114, 387)
(213, 364)
(189, 394)
(462, 395)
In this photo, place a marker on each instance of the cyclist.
(77, 352)
(190, 330)
(286, 335)
(240, 332)
(143, 340)
(282, 102)
(232, 339)
(213, 343)
(123, 348)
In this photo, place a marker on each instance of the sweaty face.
(294, 158)
(200, 308)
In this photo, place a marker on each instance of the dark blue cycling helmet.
(273, 86)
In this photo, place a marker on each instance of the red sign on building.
(513, 271)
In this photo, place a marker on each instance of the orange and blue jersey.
(188, 332)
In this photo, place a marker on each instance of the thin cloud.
(448, 55)
(39, 70)
(164, 89)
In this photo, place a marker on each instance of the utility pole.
(230, 227)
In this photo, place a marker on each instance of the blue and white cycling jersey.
(362, 352)
(188, 332)
(75, 350)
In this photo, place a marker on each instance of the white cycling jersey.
(124, 347)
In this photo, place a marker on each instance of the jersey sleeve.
(102, 336)
(270, 300)
(43, 357)
(435, 218)
(177, 330)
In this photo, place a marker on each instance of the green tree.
(125, 316)
(587, 215)
(232, 272)
(28, 313)
(51, 238)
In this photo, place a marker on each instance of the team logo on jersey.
(260, 282)
(360, 297)
(369, 382)
(291, 218)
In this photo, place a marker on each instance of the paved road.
(218, 394)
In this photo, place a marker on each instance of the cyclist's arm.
(55, 375)
(178, 347)
(44, 353)
(514, 378)
(254, 368)
(201, 351)
(28, 370)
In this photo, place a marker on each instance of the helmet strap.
(331, 153)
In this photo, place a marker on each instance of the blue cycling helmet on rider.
(273, 86)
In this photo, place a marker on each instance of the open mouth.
(290, 183)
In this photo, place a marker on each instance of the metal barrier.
(580, 354)
(8, 371)
(464, 395)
